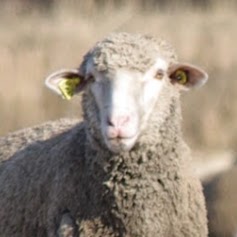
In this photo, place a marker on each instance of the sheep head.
(123, 77)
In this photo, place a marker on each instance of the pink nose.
(118, 126)
(118, 121)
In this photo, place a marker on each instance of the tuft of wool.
(131, 51)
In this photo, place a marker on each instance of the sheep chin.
(119, 145)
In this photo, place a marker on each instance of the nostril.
(110, 122)
(117, 121)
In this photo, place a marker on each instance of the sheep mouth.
(121, 144)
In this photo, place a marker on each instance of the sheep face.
(124, 97)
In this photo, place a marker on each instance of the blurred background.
(39, 37)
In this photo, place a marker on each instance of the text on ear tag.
(68, 87)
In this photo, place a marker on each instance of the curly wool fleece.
(136, 52)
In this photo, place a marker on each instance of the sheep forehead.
(127, 74)
(137, 52)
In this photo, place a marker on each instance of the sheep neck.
(125, 182)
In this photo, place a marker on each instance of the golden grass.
(34, 44)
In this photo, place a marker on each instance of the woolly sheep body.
(18, 140)
(147, 191)
(221, 196)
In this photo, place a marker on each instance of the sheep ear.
(187, 76)
(65, 82)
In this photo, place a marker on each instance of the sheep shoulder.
(18, 140)
(33, 174)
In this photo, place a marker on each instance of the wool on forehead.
(132, 51)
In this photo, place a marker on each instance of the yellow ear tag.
(181, 77)
(68, 87)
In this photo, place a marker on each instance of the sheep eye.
(159, 74)
(181, 76)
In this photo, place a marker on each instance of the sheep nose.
(118, 121)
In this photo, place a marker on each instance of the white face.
(125, 100)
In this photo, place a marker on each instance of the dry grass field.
(34, 43)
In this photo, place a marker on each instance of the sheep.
(18, 140)
(125, 170)
(221, 195)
